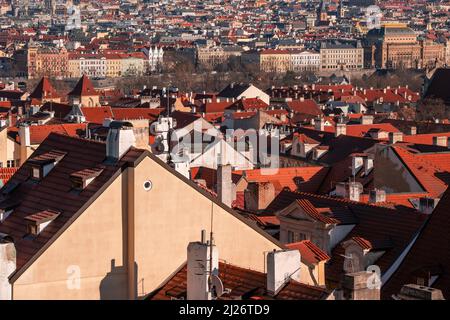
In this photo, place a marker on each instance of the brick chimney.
(341, 128)
(377, 195)
(349, 190)
(440, 141)
(224, 184)
(7, 265)
(282, 266)
(367, 119)
(395, 137)
(412, 131)
(355, 286)
(417, 292)
(202, 257)
(258, 195)
(319, 124)
(119, 140)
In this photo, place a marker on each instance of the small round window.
(147, 185)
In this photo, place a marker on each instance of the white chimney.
(395, 137)
(349, 190)
(24, 134)
(202, 259)
(319, 124)
(377, 195)
(368, 165)
(367, 119)
(341, 129)
(427, 205)
(440, 141)
(224, 184)
(7, 265)
(354, 191)
(119, 140)
(412, 130)
(282, 266)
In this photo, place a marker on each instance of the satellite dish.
(217, 286)
(159, 147)
(152, 128)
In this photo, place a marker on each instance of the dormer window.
(42, 164)
(6, 208)
(38, 221)
(81, 179)
(4, 214)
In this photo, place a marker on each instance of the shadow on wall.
(114, 286)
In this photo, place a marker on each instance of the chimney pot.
(119, 140)
(281, 267)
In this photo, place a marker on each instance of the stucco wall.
(165, 220)
(171, 215)
(91, 243)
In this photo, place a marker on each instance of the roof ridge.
(348, 201)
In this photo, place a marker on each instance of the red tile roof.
(96, 114)
(44, 90)
(6, 174)
(373, 223)
(429, 256)
(305, 179)
(39, 133)
(430, 170)
(84, 87)
(424, 138)
(309, 252)
(244, 284)
(308, 106)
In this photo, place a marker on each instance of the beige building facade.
(132, 233)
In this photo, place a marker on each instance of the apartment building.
(112, 65)
(397, 46)
(48, 61)
(341, 55)
(211, 56)
(306, 60)
(276, 60)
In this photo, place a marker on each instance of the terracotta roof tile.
(373, 223)
(429, 256)
(309, 252)
(245, 284)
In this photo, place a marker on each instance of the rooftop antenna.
(211, 243)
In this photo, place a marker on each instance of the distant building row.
(60, 63)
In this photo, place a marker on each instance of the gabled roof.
(306, 179)
(429, 256)
(307, 106)
(431, 170)
(339, 147)
(309, 252)
(233, 90)
(39, 133)
(52, 192)
(305, 139)
(83, 88)
(373, 223)
(244, 284)
(44, 90)
(61, 110)
(438, 86)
